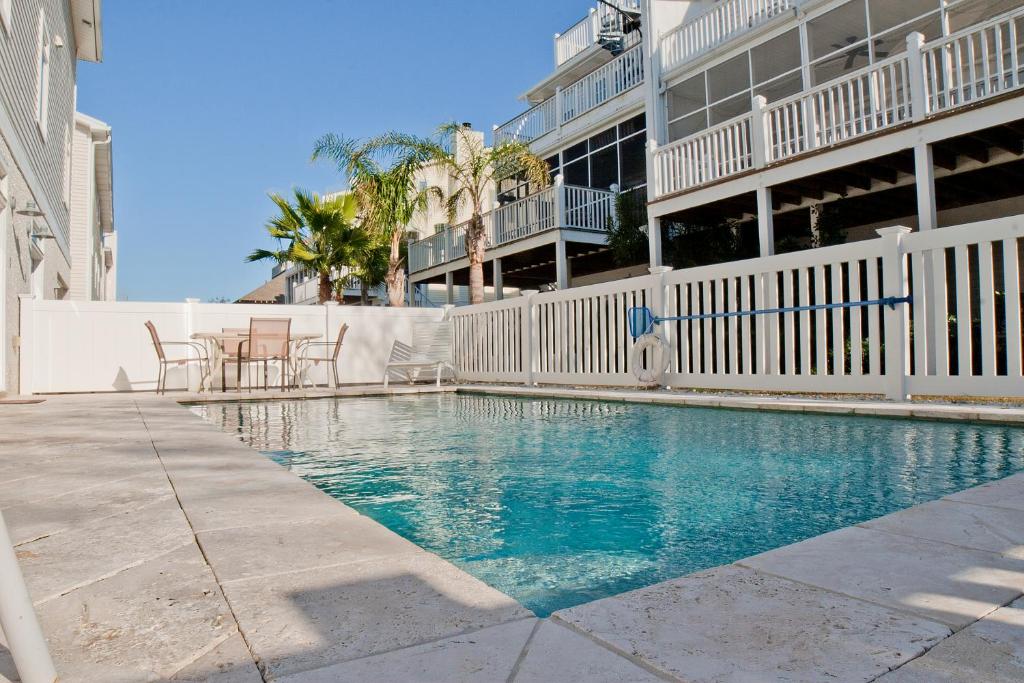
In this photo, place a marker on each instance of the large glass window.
(775, 57)
(840, 29)
(615, 156)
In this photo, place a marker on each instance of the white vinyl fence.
(959, 335)
(72, 346)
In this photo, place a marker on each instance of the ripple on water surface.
(560, 502)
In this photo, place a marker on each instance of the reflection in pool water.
(559, 502)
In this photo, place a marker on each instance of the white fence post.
(895, 284)
(659, 300)
(528, 345)
(26, 344)
(18, 618)
(915, 66)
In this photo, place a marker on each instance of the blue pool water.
(561, 502)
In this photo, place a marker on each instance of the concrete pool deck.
(158, 547)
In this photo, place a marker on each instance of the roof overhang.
(85, 18)
(99, 133)
(573, 70)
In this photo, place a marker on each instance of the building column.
(935, 266)
(499, 285)
(654, 241)
(765, 221)
(561, 265)
(924, 174)
(449, 288)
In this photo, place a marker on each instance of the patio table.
(215, 342)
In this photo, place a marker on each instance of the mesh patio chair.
(229, 352)
(161, 353)
(314, 352)
(269, 341)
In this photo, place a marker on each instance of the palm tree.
(321, 235)
(386, 185)
(371, 266)
(474, 170)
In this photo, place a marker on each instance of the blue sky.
(215, 103)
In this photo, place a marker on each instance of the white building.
(41, 42)
(93, 240)
(763, 126)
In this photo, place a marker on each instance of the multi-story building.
(586, 118)
(93, 240)
(798, 123)
(762, 126)
(41, 42)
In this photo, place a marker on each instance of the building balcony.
(618, 76)
(928, 80)
(559, 207)
(721, 24)
(587, 32)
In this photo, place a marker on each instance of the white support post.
(654, 240)
(555, 43)
(26, 344)
(449, 288)
(558, 108)
(924, 173)
(561, 265)
(765, 221)
(935, 264)
(18, 620)
(759, 135)
(499, 288)
(529, 332)
(560, 201)
(918, 88)
(895, 284)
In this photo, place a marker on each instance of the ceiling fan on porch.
(860, 51)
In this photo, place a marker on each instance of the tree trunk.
(325, 287)
(476, 246)
(395, 279)
(364, 293)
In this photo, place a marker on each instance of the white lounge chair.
(431, 350)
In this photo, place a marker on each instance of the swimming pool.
(559, 502)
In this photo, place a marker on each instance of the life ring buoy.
(655, 351)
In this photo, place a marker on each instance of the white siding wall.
(82, 214)
(18, 65)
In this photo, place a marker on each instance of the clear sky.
(215, 103)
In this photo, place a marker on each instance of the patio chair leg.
(387, 376)
(334, 368)
(438, 375)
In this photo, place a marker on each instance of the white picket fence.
(71, 346)
(960, 335)
(927, 79)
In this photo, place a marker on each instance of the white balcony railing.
(722, 23)
(980, 62)
(712, 154)
(869, 100)
(559, 206)
(618, 76)
(587, 31)
(975, 63)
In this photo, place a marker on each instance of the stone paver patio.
(157, 547)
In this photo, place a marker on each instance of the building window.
(842, 40)
(6, 16)
(42, 74)
(615, 156)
